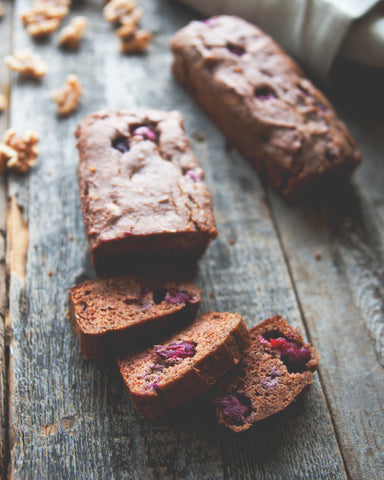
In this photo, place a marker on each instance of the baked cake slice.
(276, 369)
(186, 365)
(124, 312)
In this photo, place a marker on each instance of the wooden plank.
(341, 297)
(72, 418)
(5, 45)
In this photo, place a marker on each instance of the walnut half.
(72, 34)
(27, 64)
(135, 42)
(44, 18)
(18, 153)
(68, 96)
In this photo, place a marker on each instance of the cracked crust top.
(138, 178)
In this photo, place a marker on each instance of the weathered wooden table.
(65, 417)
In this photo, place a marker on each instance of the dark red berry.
(234, 408)
(176, 350)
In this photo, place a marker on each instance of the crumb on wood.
(228, 147)
(211, 294)
(50, 273)
(3, 103)
(45, 17)
(92, 169)
(72, 35)
(137, 42)
(18, 153)
(232, 241)
(68, 96)
(27, 64)
(199, 136)
(318, 255)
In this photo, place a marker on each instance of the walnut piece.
(121, 11)
(27, 64)
(68, 96)
(126, 30)
(44, 17)
(3, 103)
(72, 34)
(18, 154)
(135, 42)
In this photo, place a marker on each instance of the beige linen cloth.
(315, 32)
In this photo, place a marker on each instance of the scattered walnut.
(318, 254)
(27, 64)
(121, 11)
(44, 18)
(3, 103)
(72, 34)
(18, 153)
(68, 96)
(137, 41)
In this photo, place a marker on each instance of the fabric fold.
(314, 32)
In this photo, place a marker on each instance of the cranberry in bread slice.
(109, 314)
(277, 368)
(186, 365)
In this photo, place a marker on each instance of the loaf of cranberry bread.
(187, 364)
(260, 99)
(276, 369)
(142, 192)
(124, 312)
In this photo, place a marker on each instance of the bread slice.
(109, 314)
(187, 364)
(277, 368)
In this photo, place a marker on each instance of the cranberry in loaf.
(186, 365)
(109, 314)
(274, 371)
(142, 191)
(260, 99)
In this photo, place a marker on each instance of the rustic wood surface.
(71, 418)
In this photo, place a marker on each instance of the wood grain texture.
(341, 296)
(5, 45)
(72, 417)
